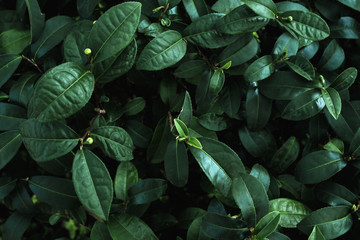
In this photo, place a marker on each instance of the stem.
(94, 216)
(91, 125)
(32, 62)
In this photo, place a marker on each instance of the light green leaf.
(11, 116)
(125, 226)
(37, 19)
(332, 101)
(92, 182)
(264, 8)
(114, 141)
(147, 190)
(217, 81)
(292, 212)
(163, 51)
(61, 92)
(14, 41)
(126, 176)
(114, 30)
(176, 163)
(10, 143)
(8, 65)
(54, 32)
(181, 128)
(194, 142)
(47, 141)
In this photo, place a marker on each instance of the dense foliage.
(179, 119)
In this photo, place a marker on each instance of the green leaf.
(346, 27)
(335, 145)
(335, 194)
(133, 107)
(286, 44)
(114, 30)
(147, 190)
(260, 69)
(114, 141)
(15, 226)
(47, 141)
(261, 174)
(92, 182)
(217, 81)
(8, 65)
(302, 66)
(139, 133)
(6, 186)
(332, 101)
(163, 51)
(241, 20)
(100, 231)
(264, 8)
(61, 92)
(258, 109)
(345, 79)
(258, 143)
(351, 3)
(355, 144)
(304, 106)
(332, 57)
(251, 197)
(306, 24)
(332, 221)
(267, 225)
(195, 8)
(125, 226)
(285, 155)
(292, 212)
(219, 163)
(284, 85)
(185, 114)
(11, 116)
(57, 192)
(36, 17)
(240, 51)
(126, 176)
(181, 128)
(55, 30)
(218, 226)
(14, 41)
(318, 166)
(195, 230)
(10, 143)
(277, 235)
(21, 90)
(214, 122)
(225, 6)
(289, 184)
(316, 234)
(86, 8)
(230, 99)
(194, 142)
(190, 69)
(176, 163)
(75, 44)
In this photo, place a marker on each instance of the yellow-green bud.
(87, 51)
(290, 18)
(94, 22)
(89, 140)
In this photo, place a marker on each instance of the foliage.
(170, 119)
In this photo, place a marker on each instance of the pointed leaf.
(335, 194)
(147, 190)
(15, 226)
(181, 128)
(8, 65)
(258, 109)
(285, 155)
(195, 8)
(332, 101)
(264, 8)
(185, 114)
(100, 231)
(10, 143)
(316, 234)
(260, 69)
(6, 186)
(92, 182)
(176, 163)
(302, 66)
(345, 79)
(332, 57)
(267, 225)
(126, 176)
(11, 116)
(37, 19)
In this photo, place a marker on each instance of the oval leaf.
(267, 225)
(332, 101)
(11, 116)
(147, 190)
(264, 8)
(10, 143)
(8, 65)
(126, 176)
(176, 163)
(260, 69)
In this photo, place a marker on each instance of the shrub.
(175, 119)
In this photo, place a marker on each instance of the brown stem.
(94, 216)
(91, 125)
(32, 62)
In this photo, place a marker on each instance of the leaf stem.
(32, 62)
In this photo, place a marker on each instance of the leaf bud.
(87, 51)
(89, 140)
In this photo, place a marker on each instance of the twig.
(32, 62)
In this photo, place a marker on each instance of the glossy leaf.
(14, 41)
(302, 66)
(261, 174)
(351, 3)
(318, 166)
(114, 141)
(264, 8)
(57, 192)
(10, 143)
(346, 27)
(55, 30)
(332, 101)
(185, 114)
(267, 225)
(100, 231)
(258, 109)
(195, 8)
(8, 65)
(37, 19)
(286, 44)
(285, 155)
(92, 183)
(335, 194)
(194, 142)
(316, 234)
(260, 69)
(190, 69)
(303, 106)
(15, 226)
(163, 51)
(114, 30)
(6, 186)
(176, 163)
(181, 128)
(61, 92)
(126, 176)
(332, 221)
(20, 92)
(251, 197)
(225, 6)
(241, 20)
(332, 57)
(125, 226)
(345, 79)
(147, 190)
(292, 212)
(217, 81)
(11, 116)
(47, 141)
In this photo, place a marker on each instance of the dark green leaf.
(345, 79)
(309, 51)
(286, 44)
(346, 27)
(176, 163)
(47, 141)
(289, 184)
(261, 174)
(195, 8)
(139, 133)
(260, 69)
(92, 182)
(316, 234)
(14, 41)
(195, 230)
(258, 109)
(163, 51)
(85, 8)
(10, 143)
(15, 226)
(332, 221)
(318, 166)
(37, 19)
(267, 225)
(332, 101)
(230, 99)
(332, 57)
(285, 155)
(217, 81)
(351, 3)
(302, 66)
(100, 231)
(277, 235)
(264, 8)
(225, 6)
(20, 91)
(124, 226)
(355, 144)
(250, 196)
(126, 176)
(190, 69)
(185, 114)
(213, 122)
(292, 212)
(147, 190)
(6, 186)
(8, 65)
(114, 141)
(304, 106)
(11, 116)
(114, 30)
(57, 192)
(54, 32)
(335, 194)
